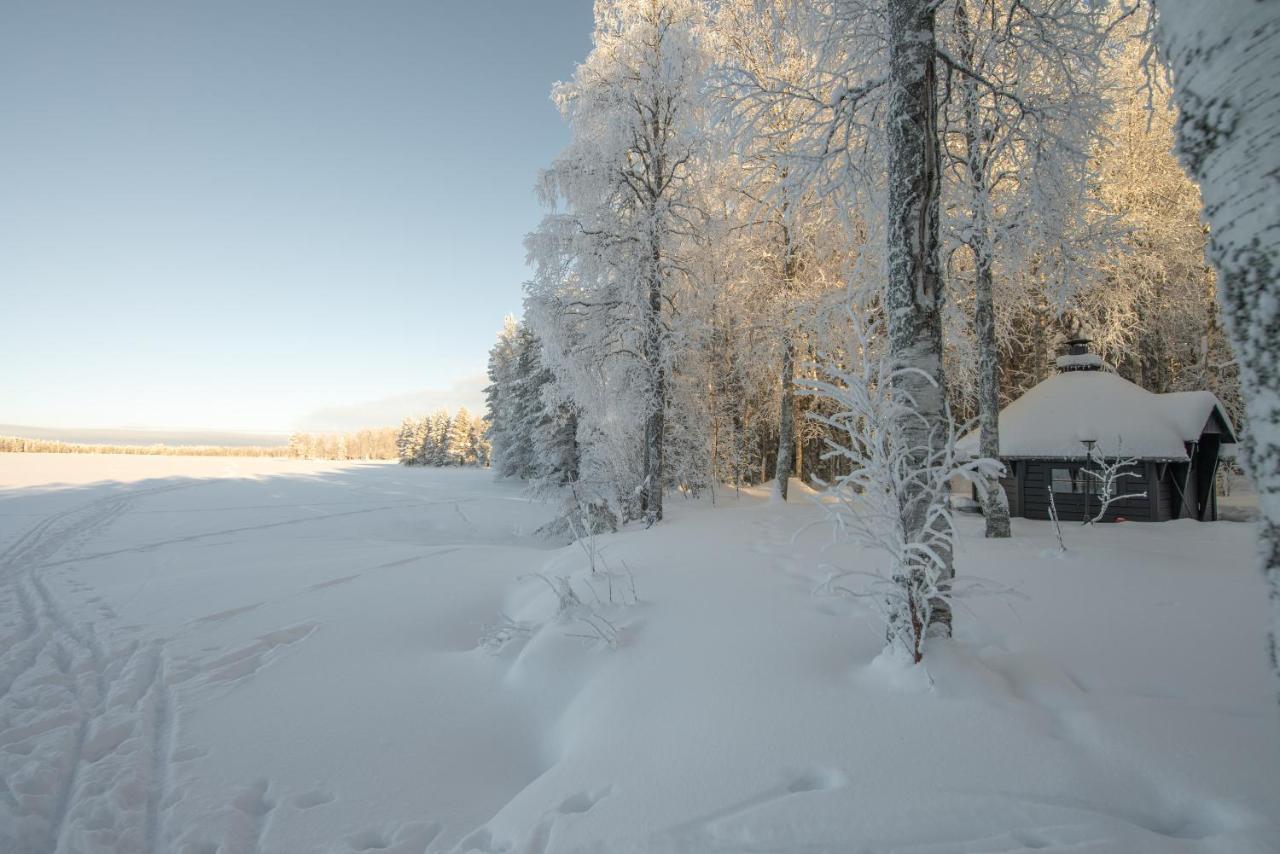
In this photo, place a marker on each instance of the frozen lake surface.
(224, 655)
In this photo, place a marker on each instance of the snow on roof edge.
(1062, 416)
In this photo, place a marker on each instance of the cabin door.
(1206, 465)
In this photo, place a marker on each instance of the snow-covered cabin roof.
(1053, 420)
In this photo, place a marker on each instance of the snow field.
(201, 655)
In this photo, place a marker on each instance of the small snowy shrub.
(890, 485)
(592, 613)
(1108, 476)
(497, 636)
(1057, 526)
(574, 606)
(581, 516)
(572, 609)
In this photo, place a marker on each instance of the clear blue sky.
(257, 215)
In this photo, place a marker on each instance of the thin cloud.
(388, 411)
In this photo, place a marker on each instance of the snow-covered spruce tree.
(438, 438)
(457, 441)
(477, 443)
(500, 396)
(1223, 57)
(404, 442)
(527, 407)
(550, 419)
(629, 201)
(512, 400)
(532, 433)
(419, 442)
(555, 438)
(423, 442)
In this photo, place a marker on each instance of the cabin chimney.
(1078, 357)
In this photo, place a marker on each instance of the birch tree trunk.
(1224, 57)
(651, 491)
(913, 293)
(995, 504)
(786, 415)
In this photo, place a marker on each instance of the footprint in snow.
(409, 838)
(199, 848)
(817, 780)
(187, 754)
(723, 824)
(313, 798)
(256, 799)
(581, 802)
(248, 660)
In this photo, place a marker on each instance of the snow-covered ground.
(209, 655)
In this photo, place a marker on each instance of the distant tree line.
(439, 439)
(19, 445)
(375, 444)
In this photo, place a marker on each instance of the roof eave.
(1080, 457)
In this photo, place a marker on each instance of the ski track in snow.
(146, 547)
(87, 724)
(85, 730)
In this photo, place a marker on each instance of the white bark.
(913, 293)
(786, 411)
(1224, 58)
(995, 504)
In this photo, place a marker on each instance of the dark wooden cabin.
(1046, 435)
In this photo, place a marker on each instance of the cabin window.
(1073, 481)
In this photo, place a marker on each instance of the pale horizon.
(387, 411)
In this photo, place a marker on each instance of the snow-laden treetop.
(1059, 416)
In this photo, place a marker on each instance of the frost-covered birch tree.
(1224, 58)
(613, 253)
(763, 51)
(1001, 56)
(1025, 103)
(1153, 311)
(870, 118)
(914, 290)
(975, 158)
